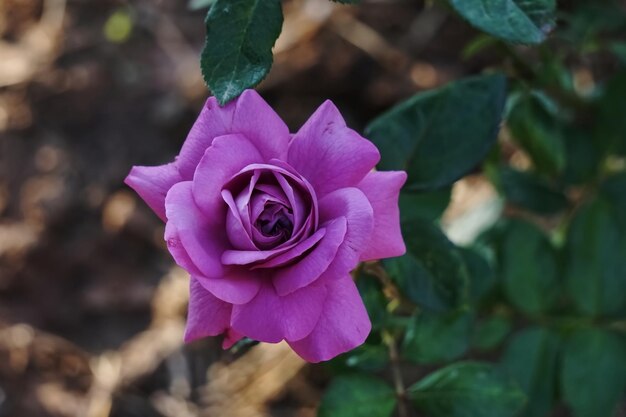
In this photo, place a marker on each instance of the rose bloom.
(269, 225)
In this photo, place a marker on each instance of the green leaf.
(531, 359)
(490, 333)
(517, 21)
(424, 205)
(536, 128)
(596, 260)
(435, 338)
(528, 267)
(200, 4)
(467, 389)
(593, 378)
(614, 190)
(347, 1)
(482, 276)
(441, 135)
(370, 358)
(432, 273)
(357, 396)
(530, 191)
(611, 123)
(583, 156)
(619, 50)
(373, 298)
(237, 53)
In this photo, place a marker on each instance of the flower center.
(275, 220)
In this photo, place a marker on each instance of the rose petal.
(212, 122)
(249, 115)
(352, 204)
(271, 318)
(230, 338)
(342, 326)
(207, 315)
(382, 189)
(153, 183)
(294, 252)
(203, 242)
(275, 257)
(237, 286)
(329, 154)
(308, 269)
(235, 229)
(227, 156)
(296, 202)
(178, 252)
(260, 123)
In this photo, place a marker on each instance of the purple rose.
(269, 225)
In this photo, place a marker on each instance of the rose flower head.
(269, 225)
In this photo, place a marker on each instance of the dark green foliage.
(596, 260)
(467, 389)
(530, 191)
(436, 338)
(432, 274)
(441, 135)
(237, 53)
(357, 396)
(593, 377)
(528, 268)
(531, 359)
(490, 332)
(535, 127)
(518, 21)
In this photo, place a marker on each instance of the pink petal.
(260, 123)
(207, 316)
(330, 155)
(295, 251)
(308, 269)
(275, 257)
(177, 250)
(153, 183)
(203, 242)
(382, 190)
(352, 204)
(227, 156)
(343, 325)
(212, 122)
(237, 286)
(236, 230)
(271, 318)
(230, 338)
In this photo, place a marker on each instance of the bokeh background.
(92, 307)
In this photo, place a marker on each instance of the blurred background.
(92, 307)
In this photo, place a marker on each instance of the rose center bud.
(276, 220)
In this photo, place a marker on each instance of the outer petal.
(226, 157)
(207, 316)
(382, 190)
(237, 286)
(202, 241)
(352, 204)
(230, 338)
(177, 250)
(271, 318)
(330, 155)
(311, 267)
(343, 325)
(260, 123)
(153, 183)
(249, 115)
(212, 122)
